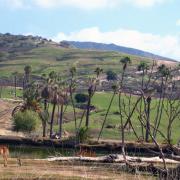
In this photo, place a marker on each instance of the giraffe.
(4, 151)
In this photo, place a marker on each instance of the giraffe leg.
(5, 160)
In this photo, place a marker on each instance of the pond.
(34, 152)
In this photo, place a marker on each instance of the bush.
(111, 75)
(81, 98)
(83, 134)
(26, 121)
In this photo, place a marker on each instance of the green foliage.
(142, 66)
(30, 94)
(45, 93)
(125, 61)
(44, 115)
(111, 75)
(164, 71)
(81, 98)
(26, 121)
(83, 134)
(27, 69)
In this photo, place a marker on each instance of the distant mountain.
(114, 47)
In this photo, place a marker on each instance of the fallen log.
(114, 158)
(133, 165)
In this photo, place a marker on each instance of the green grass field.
(101, 101)
(9, 92)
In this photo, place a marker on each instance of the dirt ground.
(6, 125)
(41, 169)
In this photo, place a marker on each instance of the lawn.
(101, 102)
(9, 92)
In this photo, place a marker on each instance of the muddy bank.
(108, 145)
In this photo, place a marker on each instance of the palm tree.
(15, 82)
(61, 100)
(54, 102)
(143, 66)
(164, 71)
(71, 89)
(91, 92)
(53, 76)
(45, 95)
(72, 71)
(27, 72)
(124, 61)
(148, 101)
(98, 71)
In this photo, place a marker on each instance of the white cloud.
(178, 22)
(82, 4)
(13, 3)
(147, 3)
(168, 45)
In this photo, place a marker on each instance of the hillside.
(114, 47)
(44, 55)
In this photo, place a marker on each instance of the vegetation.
(26, 121)
(81, 98)
(139, 102)
(111, 75)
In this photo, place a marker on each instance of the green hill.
(44, 56)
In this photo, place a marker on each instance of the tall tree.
(143, 66)
(71, 90)
(15, 74)
(45, 95)
(91, 92)
(54, 102)
(27, 72)
(164, 73)
(124, 61)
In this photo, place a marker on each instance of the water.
(30, 152)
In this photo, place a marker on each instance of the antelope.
(85, 152)
(4, 151)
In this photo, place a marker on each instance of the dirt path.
(5, 119)
(40, 169)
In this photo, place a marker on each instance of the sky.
(150, 25)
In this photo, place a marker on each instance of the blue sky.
(151, 25)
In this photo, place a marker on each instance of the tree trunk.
(88, 111)
(15, 84)
(52, 119)
(44, 122)
(60, 121)
(44, 129)
(148, 118)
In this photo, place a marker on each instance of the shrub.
(26, 121)
(111, 75)
(83, 134)
(81, 98)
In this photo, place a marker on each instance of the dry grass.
(40, 169)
